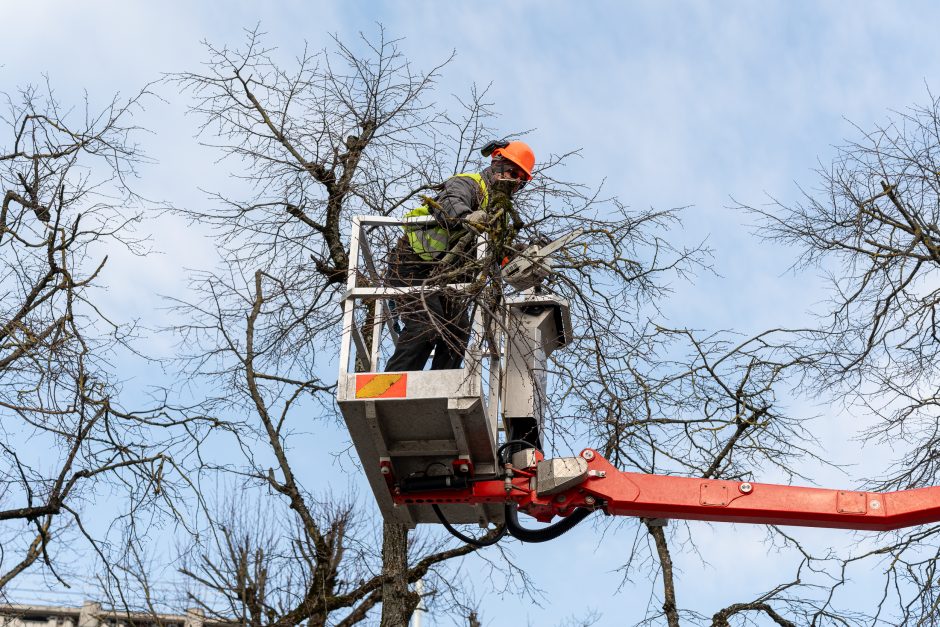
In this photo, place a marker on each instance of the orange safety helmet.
(520, 154)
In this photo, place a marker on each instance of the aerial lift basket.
(412, 424)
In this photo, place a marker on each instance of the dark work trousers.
(432, 320)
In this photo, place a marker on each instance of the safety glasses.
(504, 166)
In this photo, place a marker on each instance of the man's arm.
(459, 198)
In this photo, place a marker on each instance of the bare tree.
(340, 134)
(65, 438)
(357, 130)
(871, 224)
(687, 403)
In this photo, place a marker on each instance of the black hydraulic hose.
(544, 534)
(511, 524)
(471, 541)
(521, 443)
(502, 531)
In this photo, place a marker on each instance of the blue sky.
(672, 103)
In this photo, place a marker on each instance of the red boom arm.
(619, 493)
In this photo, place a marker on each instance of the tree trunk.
(398, 601)
(670, 608)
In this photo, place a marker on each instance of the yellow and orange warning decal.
(386, 385)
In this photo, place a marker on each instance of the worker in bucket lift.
(434, 320)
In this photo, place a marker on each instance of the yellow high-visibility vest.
(430, 241)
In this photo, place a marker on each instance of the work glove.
(477, 219)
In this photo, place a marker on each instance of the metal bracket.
(559, 474)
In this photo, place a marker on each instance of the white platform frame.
(447, 415)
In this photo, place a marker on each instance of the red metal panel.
(852, 502)
(714, 494)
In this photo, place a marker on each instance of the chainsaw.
(535, 263)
